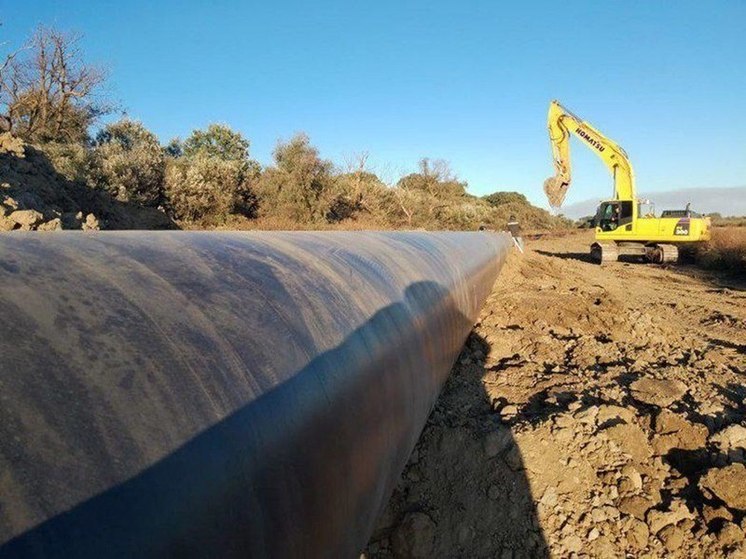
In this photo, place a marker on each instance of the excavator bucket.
(556, 190)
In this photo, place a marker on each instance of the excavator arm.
(562, 123)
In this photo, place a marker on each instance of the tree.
(217, 141)
(357, 190)
(129, 163)
(4, 69)
(435, 178)
(211, 175)
(300, 185)
(499, 198)
(48, 92)
(174, 148)
(424, 196)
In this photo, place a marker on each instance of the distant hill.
(725, 201)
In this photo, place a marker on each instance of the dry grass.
(726, 250)
(359, 223)
(729, 221)
(278, 223)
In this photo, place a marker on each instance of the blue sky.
(464, 81)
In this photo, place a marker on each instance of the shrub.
(434, 178)
(355, 193)
(174, 148)
(129, 163)
(210, 175)
(500, 198)
(217, 141)
(72, 161)
(300, 185)
(203, 187)
(726, 250)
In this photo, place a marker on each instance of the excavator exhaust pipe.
(214, 394)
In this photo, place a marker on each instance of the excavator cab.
(614, 214)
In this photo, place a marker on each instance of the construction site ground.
(594, 412)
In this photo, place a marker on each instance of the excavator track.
(602, 253)
(662, 253)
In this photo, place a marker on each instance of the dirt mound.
(594, 411)
(35, 196)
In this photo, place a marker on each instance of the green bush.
(300, 185)
(500, 198)
(355, 193)
(128, 163)
(204, 187)
(217, 141)
(434, 178)
(72, 161)
(211, 176)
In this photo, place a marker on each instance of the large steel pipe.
(221, 394)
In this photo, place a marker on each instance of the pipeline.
(221, 394)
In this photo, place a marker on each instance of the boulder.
(11, 144)
(497, 441)
(51, 225)
(729, 534)
(657, 392)
(730, 438)
(657, 519)
(91, 223)
(728, 484)
(631, 439)
(27, 218)
(637, 535)
(673, 431)
(672, 537)
(7, 224)
(636, 506)
(610, 413)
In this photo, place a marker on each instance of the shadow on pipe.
(152, 409)
(207, 494)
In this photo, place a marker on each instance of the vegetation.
(300, 185)
(51, 98)
(726, 250)
(730, 221)
(128, 162)
(49, 93)
(210, 176)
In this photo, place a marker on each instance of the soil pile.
(34, 196)
(595, 411)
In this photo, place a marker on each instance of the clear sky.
(464, 81)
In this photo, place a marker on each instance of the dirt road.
(594, 412)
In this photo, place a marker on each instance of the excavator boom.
(561, 123)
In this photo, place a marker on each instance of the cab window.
(612, 215)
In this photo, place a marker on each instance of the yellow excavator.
(625, 225)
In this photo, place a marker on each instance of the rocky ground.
(35, 195)
(595, 412)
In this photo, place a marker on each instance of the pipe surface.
(221, 394)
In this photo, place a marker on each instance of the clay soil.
(594, 412)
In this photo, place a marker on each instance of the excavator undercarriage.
(658, 253)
